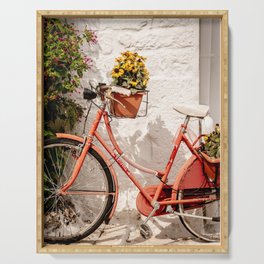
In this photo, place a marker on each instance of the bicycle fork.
(85, 148)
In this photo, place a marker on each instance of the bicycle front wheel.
(81, 210)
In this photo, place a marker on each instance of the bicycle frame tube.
(122, 154)
(163, 174)
(81, 140)
(86, 147)
(180, 137)
(169, 164)
(117, 153)
(116, 157)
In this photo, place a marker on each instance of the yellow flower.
(134, 69)
(117, 72)
(133, 83)
(131, 66)
(141, 64)
(145, 82)
(145, 72)
(119, 59)
(141, 58)
(128, 54)
(127, 66)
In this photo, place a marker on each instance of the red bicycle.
(81, 186)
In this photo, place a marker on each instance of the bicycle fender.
(190, 176)
(98, 150)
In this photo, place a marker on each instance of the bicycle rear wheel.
(76, 214)
(205, 229)
(202, 219)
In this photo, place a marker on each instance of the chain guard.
(143, 205)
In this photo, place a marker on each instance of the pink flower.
(88, 61)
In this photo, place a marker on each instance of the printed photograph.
(132, 121)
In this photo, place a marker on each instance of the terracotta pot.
(132, 104)
(212, 168)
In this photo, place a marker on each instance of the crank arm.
(145, 230)
(156, 207)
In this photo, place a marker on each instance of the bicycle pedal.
(145, 231)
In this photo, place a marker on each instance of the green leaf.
(48, 134)
(63, 63)
(80, 73)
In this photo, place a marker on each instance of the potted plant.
(210, 150)
(129, 72)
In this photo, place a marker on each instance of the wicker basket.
(212, 168)
(132, 104)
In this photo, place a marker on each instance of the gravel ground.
(124, 230)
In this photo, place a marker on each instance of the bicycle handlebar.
(105, 91)
(109, 96)
(114, 89)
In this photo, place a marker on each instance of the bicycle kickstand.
(145, 230)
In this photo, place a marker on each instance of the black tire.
(70, 218)
(206, 230)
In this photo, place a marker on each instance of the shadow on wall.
(151, 149)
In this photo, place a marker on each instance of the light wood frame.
(202, 248)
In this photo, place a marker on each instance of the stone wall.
(172, 50)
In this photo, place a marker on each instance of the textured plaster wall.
(172, 50)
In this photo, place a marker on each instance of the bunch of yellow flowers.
(130, 71)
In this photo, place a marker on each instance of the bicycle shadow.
(124, 230)
(150, 147)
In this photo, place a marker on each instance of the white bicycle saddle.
(192, 110)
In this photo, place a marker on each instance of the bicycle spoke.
(85, 203)
(49, 197)
(61, 160)
(91, 184)
(53, 164)
(205, 229)
(66, 163)
(51, 181)
(49, 177)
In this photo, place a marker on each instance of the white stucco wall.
(172, 50)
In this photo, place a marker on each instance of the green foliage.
(64, 65)
(211, 145)
(60, 114)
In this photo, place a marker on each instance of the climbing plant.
(64, 66)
